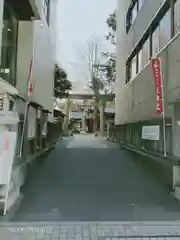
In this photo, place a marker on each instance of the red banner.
(30, 88)
(156, 64)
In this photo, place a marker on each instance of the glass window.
(145, 53)
(140, 63)
(128, 22)
(165, 29)
(177, 17)
(134, 71)
(140, 3)
(155, 42)
(134, 12)
(9, 46)
(129, 71)
(47, 9)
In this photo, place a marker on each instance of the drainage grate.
(142, 237)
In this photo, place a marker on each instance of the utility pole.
(93, 86)
(94, 77)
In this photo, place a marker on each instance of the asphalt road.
(87, 179)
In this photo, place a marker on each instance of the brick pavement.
(90, 231)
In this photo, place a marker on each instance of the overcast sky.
(78, 22)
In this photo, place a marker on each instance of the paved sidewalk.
(91, 231)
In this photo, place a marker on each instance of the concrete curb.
(146, 154)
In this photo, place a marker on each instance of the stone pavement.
(91, 231)
(88, 179)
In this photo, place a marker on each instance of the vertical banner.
(160, 107)
(156, 64)
(30, 88)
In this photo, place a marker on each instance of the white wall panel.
(32, 115)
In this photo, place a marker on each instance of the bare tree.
(90, 58)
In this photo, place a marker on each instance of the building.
(27, 62)
(149, 29)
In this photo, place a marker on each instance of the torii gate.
(87, 93)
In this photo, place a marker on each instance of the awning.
(46, 111)
(57, 108)
(5, 87)
(35, 104)
(58, 113)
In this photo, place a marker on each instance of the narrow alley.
(89, 179)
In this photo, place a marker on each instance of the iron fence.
(131, 135)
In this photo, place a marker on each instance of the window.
(155, 42)
(131, 69)
(128, 23)
(140, 3)
(47, 9)
(131, 16)
(165, 29)
(9, 46)
(128, 71)
(152, 42)
(177, 17)
(162, 34)
(134, 66)
(145, 52)
(140, 63)
(134, 13)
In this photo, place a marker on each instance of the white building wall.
(43, 65)
(120, 99)
(39, 38)
(1, 21)
(24, 55)
(32, 116)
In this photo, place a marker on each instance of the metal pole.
(94, 73)
(163, 113)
